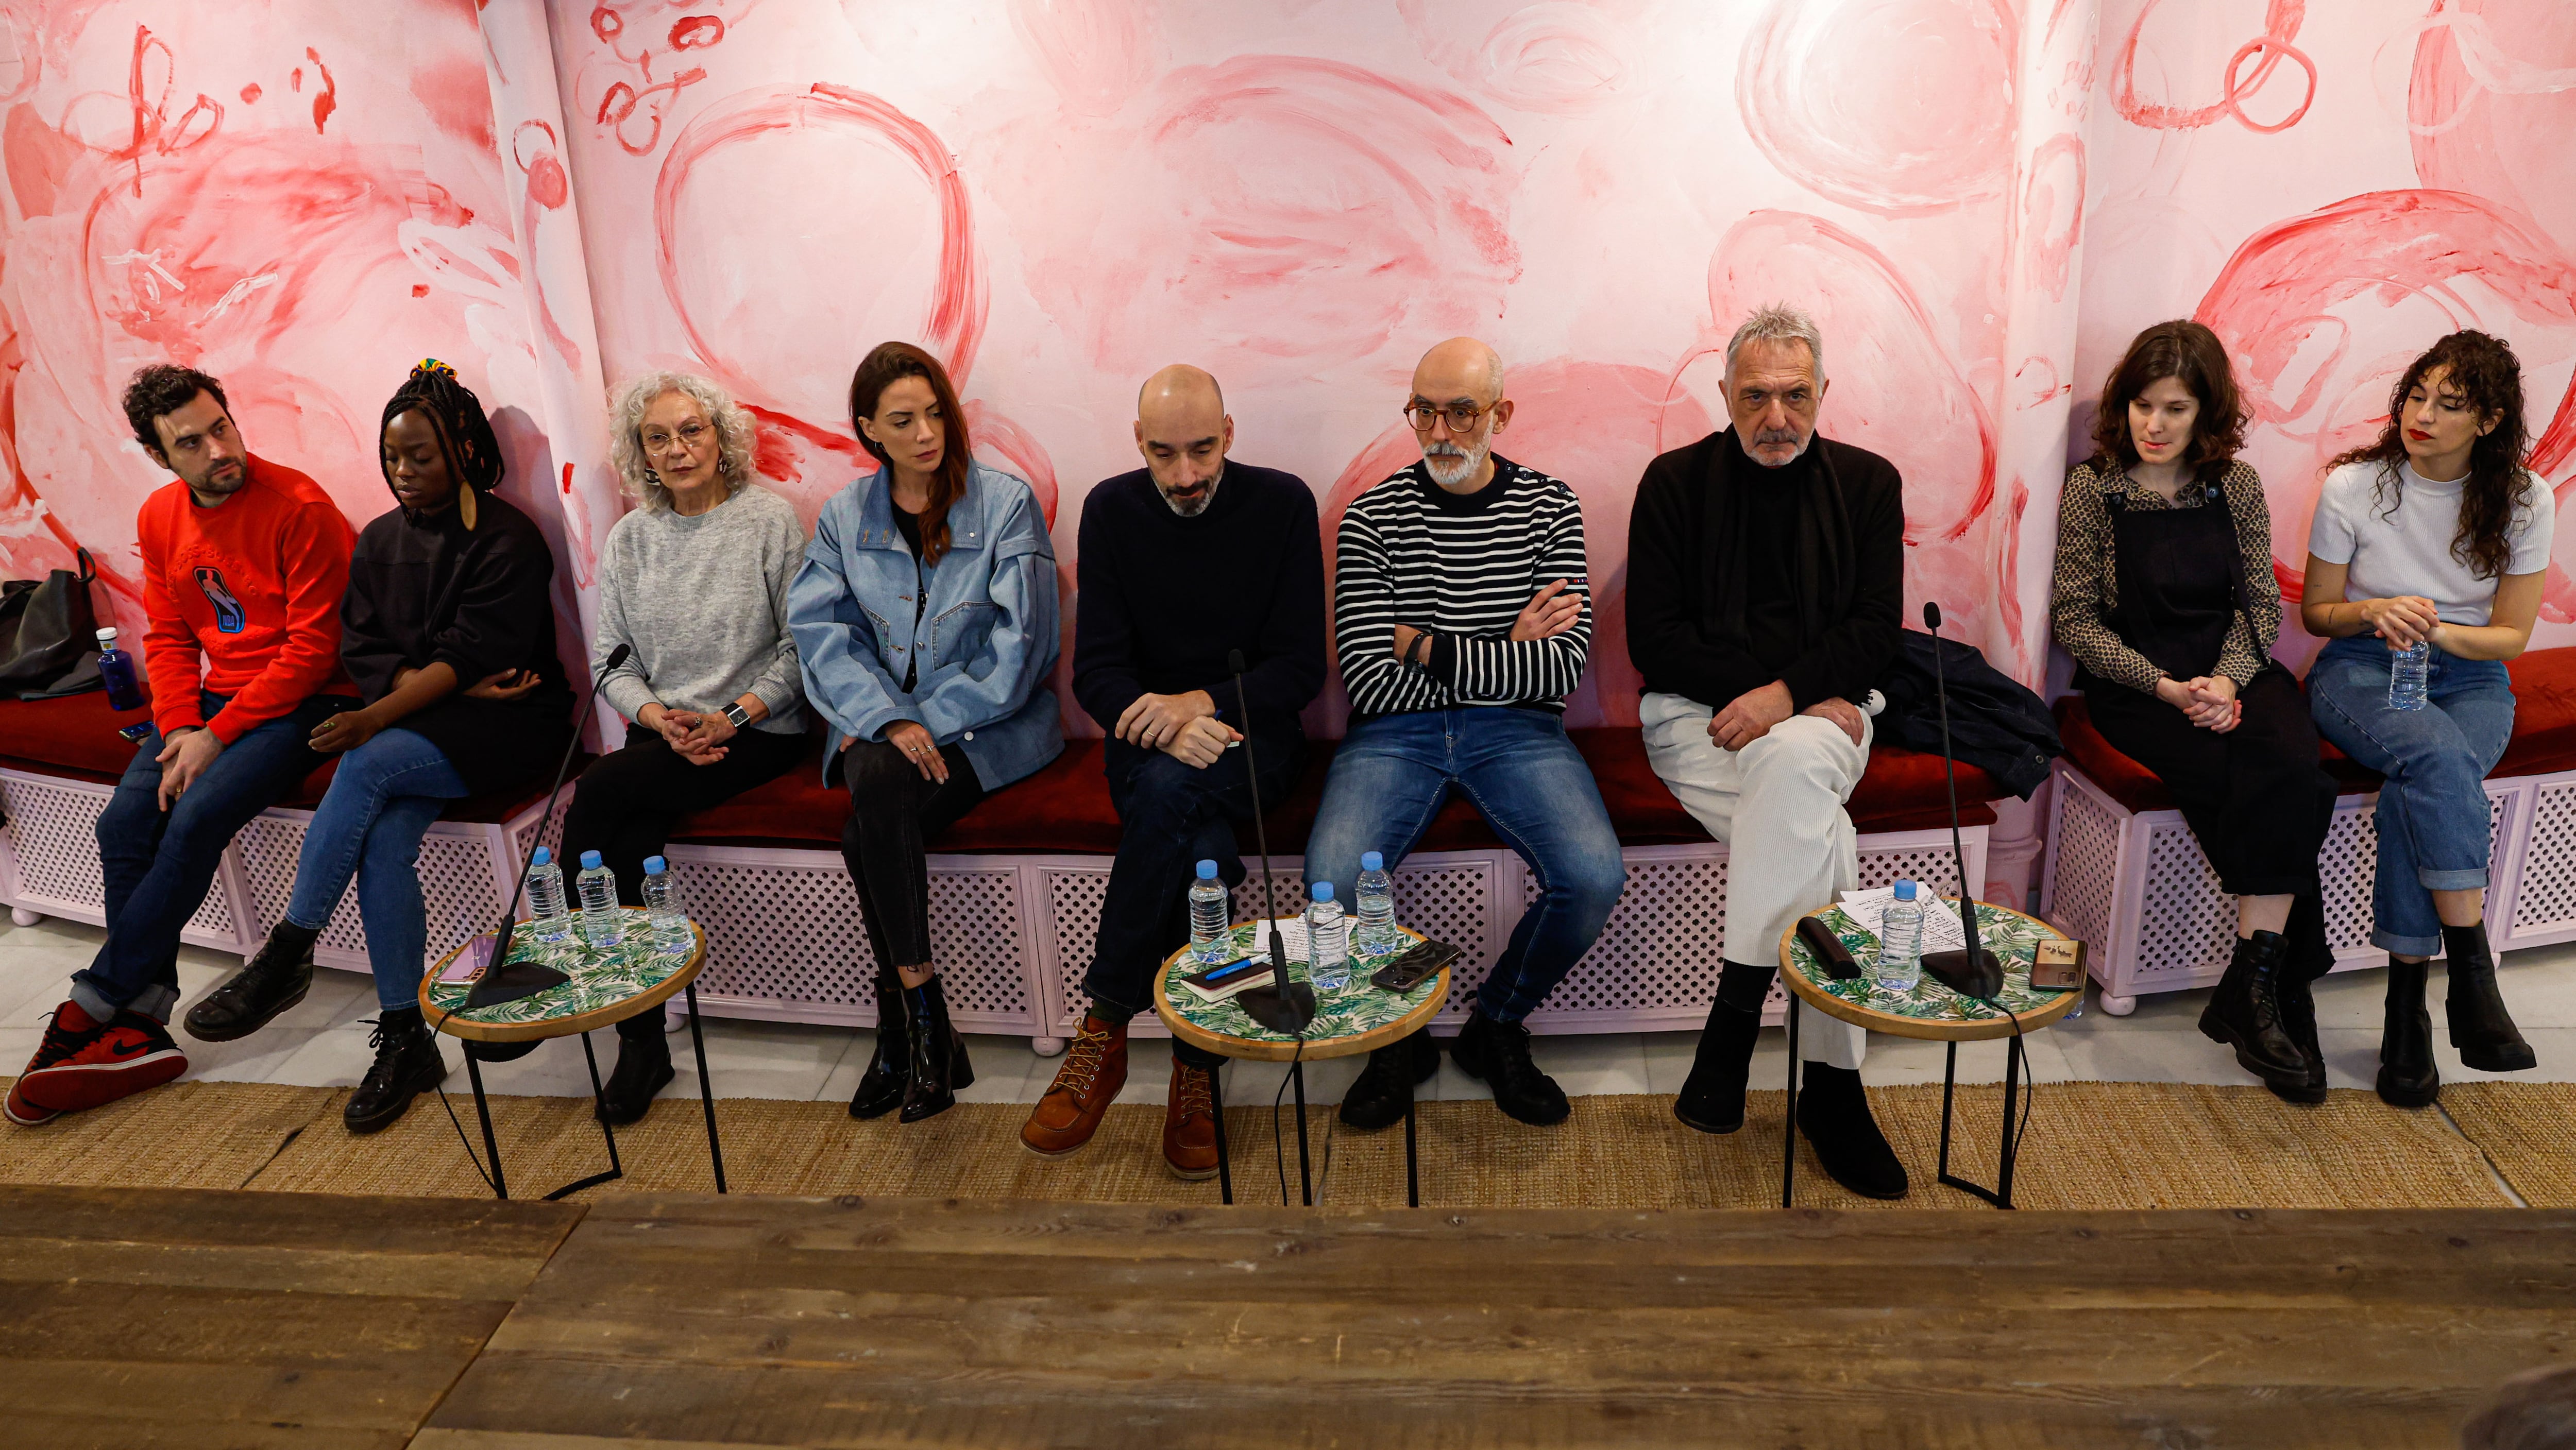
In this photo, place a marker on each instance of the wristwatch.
(734, 712)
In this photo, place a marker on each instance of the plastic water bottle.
(116, 668)
(1900, 944)
(2410, 675)
(670, 919)
(602, 923)
(1328, 950)
(1374, 895)
(548, 915)
(1211, 917)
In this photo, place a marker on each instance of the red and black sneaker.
(82, 1063)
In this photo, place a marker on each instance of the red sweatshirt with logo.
(244, 600)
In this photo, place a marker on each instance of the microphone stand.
(1973, 972)
(1284, 1007)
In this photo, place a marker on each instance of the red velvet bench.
(1016, 888)
(2124, 874)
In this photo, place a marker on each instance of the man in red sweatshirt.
(244, 564)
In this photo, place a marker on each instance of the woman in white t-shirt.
(2434, 534)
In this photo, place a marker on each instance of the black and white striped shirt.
(1410, 552)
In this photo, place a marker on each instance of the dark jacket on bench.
(1995, 721)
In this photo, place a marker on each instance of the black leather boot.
(881, 1086)
(1498, 1054)
(1833, 1113)
(2245, 1011)
(407, 1065)
(275, 979)
(2480, 1027)
(1712, 1097)
(2407, 1076)
(938, 1054)
(643, 1070)
(1378, 1096)
(2299, 1024)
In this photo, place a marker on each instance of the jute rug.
(2528, 1131)
(2091, 1146)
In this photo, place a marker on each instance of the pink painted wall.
(1981, 200)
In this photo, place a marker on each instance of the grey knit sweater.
(704, 602)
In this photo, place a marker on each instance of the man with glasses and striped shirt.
(1462, 618)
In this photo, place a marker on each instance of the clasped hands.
(696, 738)
(2404, 620)
(1750, 716)
(1182, 726)
(2208, 701)
(350, 729)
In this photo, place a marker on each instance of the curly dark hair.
(2483, 369)
(456, 415)
(161, 389)
(2192, 354)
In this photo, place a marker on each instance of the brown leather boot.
(1095, 1068)
(1189, 1124)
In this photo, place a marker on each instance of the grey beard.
(1200, 505)
(1454, 467)
(1747, 445)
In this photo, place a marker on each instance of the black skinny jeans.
(893, 810)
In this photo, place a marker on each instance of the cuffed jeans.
(1172, 815)
(156, 865)
(1777, 804)
(1532, 787)
(382, 800)
(2432, 815)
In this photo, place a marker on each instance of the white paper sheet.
(1941, 929)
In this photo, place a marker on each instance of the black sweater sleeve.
(368, 649)
(1286, 662)
(503, 608)
(1105, 679)
(1854, 653)
(1668, 641)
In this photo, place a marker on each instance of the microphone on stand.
(1283, 1006)
(502, 981)
(1973, 972)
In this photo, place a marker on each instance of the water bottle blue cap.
(655, 865)
(1905, 891)
(1372, 861)
(543, 857)
(1323, 891)
(590, 860)
(1207, 870)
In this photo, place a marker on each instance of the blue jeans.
(1529, 783)
(157, 865)
(2433, 808)
(381, 802)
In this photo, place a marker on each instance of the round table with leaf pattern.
(1360, 1017)
(603, 986)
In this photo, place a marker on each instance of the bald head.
(1182, 430)
(1461, 379)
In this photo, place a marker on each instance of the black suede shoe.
(2480, 1027)
(1377, 1098)
(881, 1086)
(2245, 1011)
(1833, 1113)
(1498, 1054)
(274, 979)
(2407, 1076)
(1712, 1097)
(407, 1065)
(643, 1070)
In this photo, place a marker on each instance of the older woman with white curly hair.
(695, 581)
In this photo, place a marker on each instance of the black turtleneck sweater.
(1164, 598)
(425, 589)
(1739, 575)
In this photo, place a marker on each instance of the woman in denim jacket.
(926, 620)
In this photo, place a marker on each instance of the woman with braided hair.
(448, 631)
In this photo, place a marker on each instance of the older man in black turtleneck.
(1766, 585)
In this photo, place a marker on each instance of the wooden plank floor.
(134, 1318)
(696, 1321)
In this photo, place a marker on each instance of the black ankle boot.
(407, 1065)
(2480, 1027)
(2407, 1076)
(2299, 1024)
(643, 1070)
(881, 1086)
(1833, 1113)
(1378, 1096)
(938, 1056)
(1498, 1053)
(1712, 1097)
(274, 979)
(2245, 1011)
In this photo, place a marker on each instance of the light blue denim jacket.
(987, 639)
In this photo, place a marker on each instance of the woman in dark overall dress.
(2165, 596)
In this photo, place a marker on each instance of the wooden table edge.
(1918, 1028)
(1254, 1049)
(652, 996)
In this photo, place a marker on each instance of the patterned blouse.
(2085, 584)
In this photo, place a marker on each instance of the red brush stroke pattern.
(154, 132)
(2281, 21)
(1550, 58)
(327, 99)
(1899, 107)
(2490, 108)
(2052, 213)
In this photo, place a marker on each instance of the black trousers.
(626, 804)
(893, 810)
(2255, 797)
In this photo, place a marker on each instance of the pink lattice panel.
(53, 830)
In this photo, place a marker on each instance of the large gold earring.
(465, 505)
